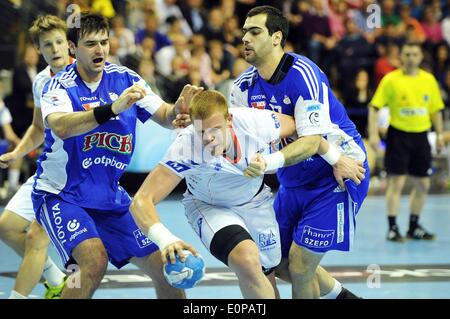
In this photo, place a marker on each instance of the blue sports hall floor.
(414, 269)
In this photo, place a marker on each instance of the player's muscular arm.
(287, 125)
(66, 125)
(146, 217)
(301, 149)
(170, 115)
(34, 136)
(70, 124)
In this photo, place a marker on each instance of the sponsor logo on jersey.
(104, 161)
(340, 222)
(73, 225)
(314, 118)
(259, 105)
(258, 97)
(273, 100)
(177, 166)
(315, 107)
(58, 222)
(112, 141)
(90, 106)
(317, 238)
(141, 239)
(266, 240)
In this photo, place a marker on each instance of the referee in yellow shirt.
(414, 102)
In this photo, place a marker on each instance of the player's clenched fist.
(128, 98)
(256, 167)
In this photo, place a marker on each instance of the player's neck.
(89, 77)
(268, 67)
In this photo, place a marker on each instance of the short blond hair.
(206, 103)
(44, 24)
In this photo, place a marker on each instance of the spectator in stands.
(388, 62)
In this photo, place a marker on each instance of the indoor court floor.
(375, 268)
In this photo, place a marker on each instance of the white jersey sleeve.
(312, 117)
(38, 85)
(179, 157)
(54, 101)
(151, 102)
(5, 115)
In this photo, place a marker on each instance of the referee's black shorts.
(407, 153)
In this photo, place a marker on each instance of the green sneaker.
(54, 292)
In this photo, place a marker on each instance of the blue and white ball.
(187, 274)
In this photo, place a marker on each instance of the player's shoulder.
(64, 79)
(246, 79)
(118, 70)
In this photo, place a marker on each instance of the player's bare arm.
(66, 125)
(33, 137)
(176, 115)
(156, 187)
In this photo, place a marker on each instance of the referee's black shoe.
(394, 235)
(419, 233)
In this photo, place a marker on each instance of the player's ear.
(276, 38)
(72, 48)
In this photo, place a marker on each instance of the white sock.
(337, 288)
(13, 178)
(52, 273)
(15, 295)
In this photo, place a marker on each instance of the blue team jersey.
(304, 92)
(85, 169)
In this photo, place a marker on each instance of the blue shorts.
(68, 225)
(319, 219)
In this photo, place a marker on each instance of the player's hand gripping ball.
(187, 274)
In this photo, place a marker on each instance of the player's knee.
(301, 269)
(36, 238)
(244, 259)
(5, 226)
(226, 240)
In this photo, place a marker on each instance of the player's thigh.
(18, 213)
(259, 217)
(121, 236)
(11, 222)
(303, 261)
(328, 223)
(219, 228)
(67, 225)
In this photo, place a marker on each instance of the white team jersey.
(5, 115)
(38, 85)
(218, 180)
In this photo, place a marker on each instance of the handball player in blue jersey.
(315, 206)
(90, 111)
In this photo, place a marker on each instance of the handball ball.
(187, 274)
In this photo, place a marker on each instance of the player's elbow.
(140, 202)
(61, 132)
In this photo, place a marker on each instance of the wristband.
(161, 236)
(332, 155)
(274, 161)
(103, 113)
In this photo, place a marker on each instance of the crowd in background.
(174, 42)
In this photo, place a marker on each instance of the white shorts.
(21, 203)
(256, 216)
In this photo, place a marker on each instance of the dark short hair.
(89, 22)
(412, 44)
(276, 21)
